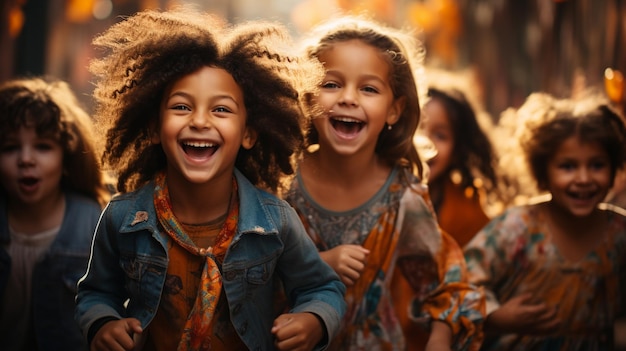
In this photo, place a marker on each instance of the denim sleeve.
(310, 284)
(100, 292)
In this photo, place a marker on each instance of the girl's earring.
(389, 126)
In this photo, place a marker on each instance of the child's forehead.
(331, 46)
(206, 81)
(577, 145)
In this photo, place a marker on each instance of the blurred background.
(506, 49)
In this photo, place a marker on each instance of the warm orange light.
(16, 21)
(441, 22)
(614, 84)
(384, 10)
(421, 16)
(79, 11)
(309, 13)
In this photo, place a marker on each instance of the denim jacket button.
(230, 275)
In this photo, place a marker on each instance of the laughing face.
(579, 176)
(356, 96)
(31, 167)
(202, 127)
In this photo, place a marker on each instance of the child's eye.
(44, 146)
(330, 85)
(440, 136)
(370, 89)
(180, 108)
(599, 165)
(567, 166)
(223, 109)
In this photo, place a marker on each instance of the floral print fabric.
(514, 254)
(398, 227)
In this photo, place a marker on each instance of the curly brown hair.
(152, 49)
(50, 106)
(549, 121)
(405, 54)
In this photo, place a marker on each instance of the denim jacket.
(129, 262)
(55, 276)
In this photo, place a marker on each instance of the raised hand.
(116, 335)
(297, 331)
(348, 261)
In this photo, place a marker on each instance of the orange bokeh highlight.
(79, 11)
(16, 21)
(614, 84)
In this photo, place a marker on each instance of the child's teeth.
(199, 144)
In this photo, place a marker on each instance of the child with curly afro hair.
(201, 119)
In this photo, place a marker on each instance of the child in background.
(463, 151)
(554, 271)
(51, 195)
(190, 254)
(365, 209)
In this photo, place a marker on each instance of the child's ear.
(249, 138)
(397, 107)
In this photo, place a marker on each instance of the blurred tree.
(514, 47)
(519, 47)
(29, 36)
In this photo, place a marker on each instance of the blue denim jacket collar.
(143, 216)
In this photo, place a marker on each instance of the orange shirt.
(460, 215)
(179, 294)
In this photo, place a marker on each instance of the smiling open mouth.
(581, 195)
(28, 181)
(199, 149)
(346, 125)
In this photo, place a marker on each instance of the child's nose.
(26, 157)
(348, 97)
(200, 120)
(583, 174)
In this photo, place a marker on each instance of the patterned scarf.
(198, 329)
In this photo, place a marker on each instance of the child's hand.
(520, 315)
(116, 335)
(348, 261)
(297, 331)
